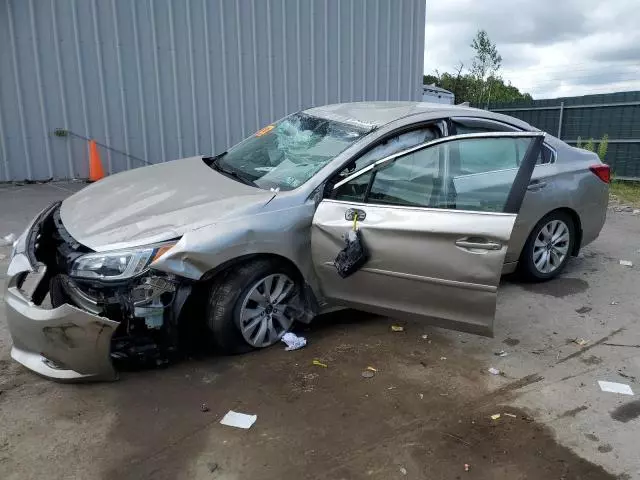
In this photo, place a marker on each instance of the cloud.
(549, 47)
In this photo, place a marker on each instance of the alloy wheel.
(266, 314)
(551, 246)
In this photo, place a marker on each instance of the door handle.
(536, 185)
(351, 213)
(478, 244)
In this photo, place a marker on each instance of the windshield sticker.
(264, 131)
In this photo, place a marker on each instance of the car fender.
(283, 232)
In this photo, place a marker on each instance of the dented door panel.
(415, 266)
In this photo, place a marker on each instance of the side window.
(477, 125)
(464, 174)
(479, 156)
(546, 155)
(389, 147)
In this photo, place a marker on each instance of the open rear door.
(436, 221)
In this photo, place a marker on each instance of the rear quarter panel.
(570, 184)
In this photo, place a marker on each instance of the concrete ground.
(424, 415)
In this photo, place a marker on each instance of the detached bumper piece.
(64, 343)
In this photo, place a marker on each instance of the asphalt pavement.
(426, 413)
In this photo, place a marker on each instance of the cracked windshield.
(287, 154)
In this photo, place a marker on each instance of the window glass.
(288, 153)
(410, 180)
(464, 174)
(354, 190)
(545, 156)
(389, 147)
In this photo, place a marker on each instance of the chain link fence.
(589, 117)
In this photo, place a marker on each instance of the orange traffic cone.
(96, 172)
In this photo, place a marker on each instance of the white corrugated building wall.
(165, 79)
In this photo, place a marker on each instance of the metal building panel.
(164, 79)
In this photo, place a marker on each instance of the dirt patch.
(584, 309)
(573, 412)
(592, 360)
(627, 412)
(512, 342)
(560, 287)
(592, 437)
(605, 448)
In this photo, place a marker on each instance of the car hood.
(156, 203)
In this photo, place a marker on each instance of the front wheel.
(548, 247)
(251, 307)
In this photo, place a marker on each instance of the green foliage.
(481, 84)
(603, 147)
(589, 145)
(486, 63)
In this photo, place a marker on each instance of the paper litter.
(397, 328)
(626, 263)
(318, 363)
(614, 387)
(238, 420)
(494, 371)
(293, 341)
(495, 416)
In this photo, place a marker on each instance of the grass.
(626, 192)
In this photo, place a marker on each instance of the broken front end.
(74, 313)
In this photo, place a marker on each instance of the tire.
(229, 300)
(534, 265)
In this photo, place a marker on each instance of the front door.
(436, 220)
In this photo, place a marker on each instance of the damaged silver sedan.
(233, 249)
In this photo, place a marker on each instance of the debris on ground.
(614, 303)
(372, 369)
(466, 467)
(495, 416)
(425, 337)
(583, 309)
(624, 375)
(213, 466)
(204, 408)
(494, 371)
(368, 373)
(613, 387)
(318, 363)
(403, 470)
(621, 345)
(238, 420)
(293, 341)
(421, 395)
(626, 263)
(511, 415)
(397, 328)
(501, 353)
(580, 341)
(7, 240)
(443, 358)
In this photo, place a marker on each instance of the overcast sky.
(549, 48)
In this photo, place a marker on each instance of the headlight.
(119, 264)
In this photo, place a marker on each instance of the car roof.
(377, 114)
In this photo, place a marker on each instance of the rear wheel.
(251, 307)
(548, 247)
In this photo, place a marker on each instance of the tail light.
(603, 172)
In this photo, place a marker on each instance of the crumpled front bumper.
(64, 343)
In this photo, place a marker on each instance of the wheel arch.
(576, 223)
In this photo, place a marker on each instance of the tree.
(482, 81)
(485, 66)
